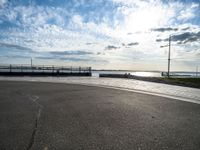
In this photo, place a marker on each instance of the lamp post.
(169, 56)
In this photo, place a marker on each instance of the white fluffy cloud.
(2, 2)
(45, 29)
(188, 12)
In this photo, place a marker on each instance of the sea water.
(148, 73)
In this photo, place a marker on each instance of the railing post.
(10, 68)
(71, 69)
(90, 70)
(79, 70)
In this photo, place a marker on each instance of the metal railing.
(43, 69)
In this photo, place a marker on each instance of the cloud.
(25, 16)
(185, 15)
(13, 46)
(59, 30)
(133, 44)
(16, 56)
(29, 41)
(189, 12)
(186, 28)
(130, 44)
(78, 52)
(186, 37)
(159, 40)
(88, 43)
(111, 47)
(129, 33)
(143, 15)
(164, 29)
(72, 56)
(98, 53)
(183, 38)
(72, 59)
(45, 57)
(2, 3)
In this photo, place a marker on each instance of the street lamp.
(169, 55)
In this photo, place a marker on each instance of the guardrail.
(44, 70)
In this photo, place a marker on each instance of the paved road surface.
(171, 91)
(59, 116)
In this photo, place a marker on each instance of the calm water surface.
(148, 73)
(136, 73)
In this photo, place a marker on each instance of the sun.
(143, 19)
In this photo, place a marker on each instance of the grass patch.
(191, 82)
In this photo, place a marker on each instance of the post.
(168, 72)
(10, 68)
(90, 70)
(31, 65)
(79, 70)
(197, 71)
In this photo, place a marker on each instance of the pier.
(43, 70)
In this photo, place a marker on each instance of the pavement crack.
(31, 142)
(34, 99)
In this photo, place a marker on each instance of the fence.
(43, 70)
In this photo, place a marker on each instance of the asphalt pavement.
(48, 116)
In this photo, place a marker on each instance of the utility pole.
(168, 72)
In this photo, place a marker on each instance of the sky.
(103, 34)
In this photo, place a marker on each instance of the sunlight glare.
(145, 19)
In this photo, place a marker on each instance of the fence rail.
(43, 70)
